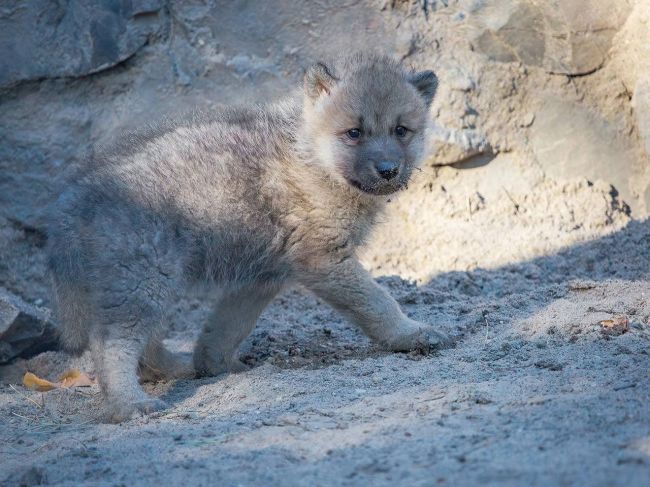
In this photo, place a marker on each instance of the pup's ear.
(318, 80)
(426, 82)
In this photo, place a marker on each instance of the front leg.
(350, 289)
(231, 322)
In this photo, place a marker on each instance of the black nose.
(387, 169)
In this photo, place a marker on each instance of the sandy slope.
(534, 392)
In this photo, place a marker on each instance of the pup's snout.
(387, 169)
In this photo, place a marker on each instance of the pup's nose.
(387, 169)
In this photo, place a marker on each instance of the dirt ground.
(534, 393)
(525, 229)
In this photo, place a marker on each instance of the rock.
(54, 39)
(25, 330)
(570, 141)
(561, 37)
(449, 146)
(641, 105)
(405, 43)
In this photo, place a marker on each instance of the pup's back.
(179, 195)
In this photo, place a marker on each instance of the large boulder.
(561, 37)
(54, 39)
(571, 141)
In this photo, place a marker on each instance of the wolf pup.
(244, 201)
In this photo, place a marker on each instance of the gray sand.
(534, 392)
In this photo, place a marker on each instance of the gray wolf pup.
(244, 202)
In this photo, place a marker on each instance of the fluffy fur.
(243, 202)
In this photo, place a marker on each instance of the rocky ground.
(525, 231)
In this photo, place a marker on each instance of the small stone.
(25, 330)
(549, 365)
(527, 120)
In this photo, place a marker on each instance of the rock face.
(57, 39)
(538, 101)
(24, 329)
(561, 37)
(570, 141)
(641, 103)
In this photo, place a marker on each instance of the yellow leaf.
(70, 378)
(31, 381)
(616, 326)
(74, 378)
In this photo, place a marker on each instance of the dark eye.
(401, 131)
(354, 133)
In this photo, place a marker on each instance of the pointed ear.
(426, 82)
(318, 80)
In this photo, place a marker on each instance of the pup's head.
(366, 118)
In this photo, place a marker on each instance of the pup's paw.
(237, 366)
(429, 339)
(209, 367)
(418, 337)
(171, 371)
(120, 411)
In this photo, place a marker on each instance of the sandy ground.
(534, 393)
(519, 249)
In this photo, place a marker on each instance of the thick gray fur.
(243, 202)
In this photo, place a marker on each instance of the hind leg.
(103, 315)
(116, 357)
(130, 312)
(158, 363)
(70, 303)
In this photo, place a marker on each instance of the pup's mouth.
(375, 190)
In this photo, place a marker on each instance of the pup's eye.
(354, 133)
(401, 131)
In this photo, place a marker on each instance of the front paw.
(120, 410)
(206, 366)
(171, 371)
(418, 337)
